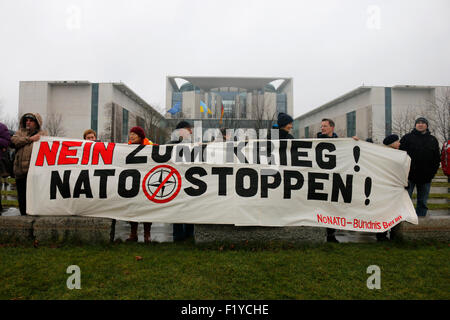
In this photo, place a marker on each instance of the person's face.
(134, 138)
(288, 127)
(421, 126)
(30, 124)
(90, 137)
(395, 145)
(326, 128)
(185, 133)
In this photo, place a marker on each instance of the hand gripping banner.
(336, 183)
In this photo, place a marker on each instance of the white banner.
(336, 183)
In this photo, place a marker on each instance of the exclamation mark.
(367, 189)
(356, 153)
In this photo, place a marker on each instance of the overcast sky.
(327, 47)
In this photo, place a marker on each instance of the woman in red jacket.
(137, 136)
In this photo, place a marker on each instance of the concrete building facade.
(372, 112)
(69, 108)
(247, 102)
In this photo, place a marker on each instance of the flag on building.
(204, 108)
(221, 115)
(176, 108)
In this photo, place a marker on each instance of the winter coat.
(320, 135)
(425, 155)
(24, 146)
(5, 139)
(145, 142)
(282, 134)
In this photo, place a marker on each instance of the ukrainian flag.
(204, 108)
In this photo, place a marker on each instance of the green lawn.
(186, 271)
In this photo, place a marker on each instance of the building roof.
(208, 83)
(327, 105)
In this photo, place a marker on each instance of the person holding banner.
(423, 148)
(284, 126)
(183, 133)
(30, 125)
(327, 132)
(137, 136)
(90, 135)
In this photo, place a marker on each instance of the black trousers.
(182, 231)
(21, 185)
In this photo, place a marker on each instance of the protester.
(327, 129)
(183, 133)
(445, 159)
(137, 136)
(327, 132)
(90, 134)
(391, 141)
(30, 130)
(285, 125)
(423, 148)
(282, 128)
(5, 140)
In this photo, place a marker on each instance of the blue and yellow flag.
(204, 108)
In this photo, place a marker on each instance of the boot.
(133, 234)
(147, 227)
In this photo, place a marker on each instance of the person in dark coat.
(183, 132)
(327, 132)
(284, 126)
(137, 136)
(423, 148)
(5, 140)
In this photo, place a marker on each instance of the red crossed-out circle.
(173, 171)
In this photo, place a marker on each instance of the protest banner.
(336, 183)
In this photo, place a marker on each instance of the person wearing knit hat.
(421, 119)
(423, 149)
(137, 136)
(285, 125)
(392, 141)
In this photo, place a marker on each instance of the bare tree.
(403, 120)
(54, 126)
(438, 113)
(106, 133)
(153, 124)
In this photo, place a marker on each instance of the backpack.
(445, 157)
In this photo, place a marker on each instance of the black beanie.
(183, 124)
(390, 139)
(421, 119)
(284, 119)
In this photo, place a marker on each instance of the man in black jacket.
(423, 148)
(327, 132)
(183, 134)
(284, 126)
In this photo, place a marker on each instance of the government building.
(247, 102)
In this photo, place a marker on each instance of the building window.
(388, 110)
(281, 103)
(94, 107)
(351, 124)
(243, 105)
(228, 108)
(124, 125)
(306, 132)
(177, 97)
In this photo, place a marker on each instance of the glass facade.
(125, 117)
(388, 110)
(281, 103)
(94, 107)
(351, 124)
